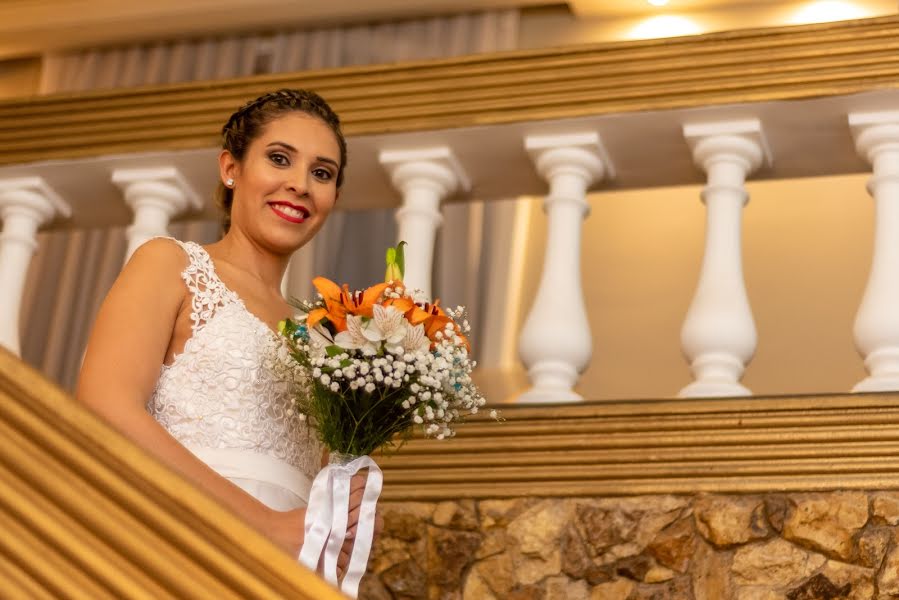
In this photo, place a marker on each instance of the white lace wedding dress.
(228, 396)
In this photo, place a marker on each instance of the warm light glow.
(829, 10)
(664, 26)
(658, 2)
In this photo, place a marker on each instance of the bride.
(184, 358)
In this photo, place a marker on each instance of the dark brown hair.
(247, 123)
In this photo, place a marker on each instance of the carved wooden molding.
(86, 514)
(722, 68)
(749, 445)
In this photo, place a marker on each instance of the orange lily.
(341, 302)
(334, 309)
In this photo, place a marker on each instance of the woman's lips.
(289, 212)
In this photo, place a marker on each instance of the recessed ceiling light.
(658, 2)
(664, 26)
(829, 10)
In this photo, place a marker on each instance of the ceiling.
(30, 27)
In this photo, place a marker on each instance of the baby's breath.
(386, 377)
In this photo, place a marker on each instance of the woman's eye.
(279, 159)
(323, 174)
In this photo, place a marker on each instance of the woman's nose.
(299, 183)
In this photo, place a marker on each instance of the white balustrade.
(555, 343)
(877, 322)
(425, 178)
(26, 203)
(719, 335)
(155, 195)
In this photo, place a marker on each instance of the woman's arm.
(124, 356)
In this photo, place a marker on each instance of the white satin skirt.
(274, 482)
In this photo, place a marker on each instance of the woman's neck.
(248, 256)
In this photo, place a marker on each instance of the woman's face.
(286, 185)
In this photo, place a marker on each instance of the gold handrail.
(739, 445)
(87, 514)
(770, 64)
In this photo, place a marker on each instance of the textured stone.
(622, 527)
(818, 587)
(729, 521)
(674, 546)
(563, 588)
(885, 505)
(872, 546)
(776, 509)
(449, 553)
(676, 588)
(658, 574)
(600, 573)
(603, 529)
(475, 588)
(495, 541)
(499, 513)
(620, 589)
(536, 532)
(388, 552)
(711, 574)
(533, 570)
(538, 529)
(827, 522)
(575, 560)
(888, 581)
(774, 563)
(405, 580)
(406, 526)
(498, 572)
(758, 593)
(527, 592)
(456, 515)
(634, 567)
(371, 588)
(859, 579)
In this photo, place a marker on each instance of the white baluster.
(155, 195)
(555, 343)
(26, 203)
(877, 322)
(718, 335)
(425, 178)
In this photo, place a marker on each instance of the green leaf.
(401, 258)
(333, 350)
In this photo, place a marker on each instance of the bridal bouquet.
(378, 363)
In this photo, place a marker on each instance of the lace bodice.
(233, 384)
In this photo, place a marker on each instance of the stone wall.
(765, 547)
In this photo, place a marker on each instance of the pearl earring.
(229, 182)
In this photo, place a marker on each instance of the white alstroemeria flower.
(387, 325)
(354, 337)
(320, 338)
(415, 341)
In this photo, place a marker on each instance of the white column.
(425, 178)
(26, 203)
(555, 343)
(155, 195)
(877, 322)
(718, 335)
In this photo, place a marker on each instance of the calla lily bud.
(395, 263)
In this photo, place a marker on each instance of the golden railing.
(87, 514)
(723, 68)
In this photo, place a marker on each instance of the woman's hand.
(357, 490)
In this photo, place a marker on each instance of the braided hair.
(247, 123)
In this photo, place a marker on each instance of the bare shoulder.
(154, 270)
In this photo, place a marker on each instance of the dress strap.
(207, 291)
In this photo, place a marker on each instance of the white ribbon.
(326, 521)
